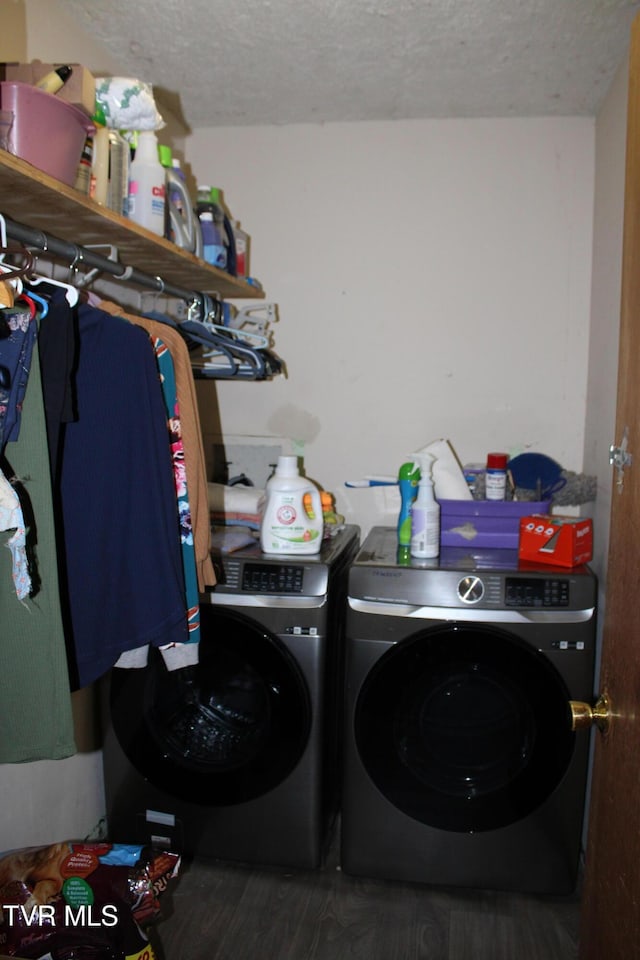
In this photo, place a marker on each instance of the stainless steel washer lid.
(466, 579)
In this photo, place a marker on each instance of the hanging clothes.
(58, 349)
(16, 347)
(12, 520)
(191, 438)
(176, 654)
(122, 552)
(35, 703)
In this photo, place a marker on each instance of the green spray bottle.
(408, 477)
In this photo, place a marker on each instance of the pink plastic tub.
(45, 131)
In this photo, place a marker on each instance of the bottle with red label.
(496, 476)
(147, 185)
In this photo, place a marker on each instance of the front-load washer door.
(464, 727)
(220, 733)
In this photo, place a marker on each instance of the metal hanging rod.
(76, 255)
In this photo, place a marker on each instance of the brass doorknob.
(584, 715)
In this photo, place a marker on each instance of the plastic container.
(425, 515)
(82, 182)
(241, 241)
(211, 216)
(46, 131)
(485, 523)
(181, 226)
(119, 164)
(147, 185)
(99, 187)
(287, 526)
(408, 476)
(55, 80)
(496, 476)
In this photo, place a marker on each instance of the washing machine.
(460, 764)
(237, 758)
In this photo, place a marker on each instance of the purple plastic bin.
(485, 523)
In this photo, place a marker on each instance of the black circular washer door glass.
(464, 728)
(223, 732)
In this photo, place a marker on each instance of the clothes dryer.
(237, 758)
(461, 767)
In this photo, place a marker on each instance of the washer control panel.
(534, 592)
(471, 589)
(521, 592)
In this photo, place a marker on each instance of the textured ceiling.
(242, 62)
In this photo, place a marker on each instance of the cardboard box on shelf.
(80, 88)
(557, 540)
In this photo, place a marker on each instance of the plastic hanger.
(71, 293)
(10, 272)
(43, 304)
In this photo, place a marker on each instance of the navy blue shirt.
(121, 534)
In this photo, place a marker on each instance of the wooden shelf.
(33, 198)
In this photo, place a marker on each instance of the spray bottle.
(408, 476)
(147, 184)
(425, 513)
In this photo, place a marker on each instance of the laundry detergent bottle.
(287, 526)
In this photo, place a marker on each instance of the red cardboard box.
(556, 540)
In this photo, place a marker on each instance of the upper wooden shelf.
(33, 198)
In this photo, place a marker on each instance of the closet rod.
(76, 255)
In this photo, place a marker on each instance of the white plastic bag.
(128, 104)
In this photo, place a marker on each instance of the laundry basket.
(43, 130)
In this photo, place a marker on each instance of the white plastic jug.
(287, 526)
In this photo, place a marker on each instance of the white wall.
(433, 280)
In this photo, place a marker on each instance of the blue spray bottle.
(408, 477)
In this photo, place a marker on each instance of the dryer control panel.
(249, 573)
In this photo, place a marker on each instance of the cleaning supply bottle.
(119, 163)
(241, 240)
(496, 476)
(287, 527)
(147, 185)
(181, 226)
(99, 184)
(55, 80)
(228, 234)
(211, 216)
(425, 514)
(408, 476)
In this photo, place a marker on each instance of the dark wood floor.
(218, 911)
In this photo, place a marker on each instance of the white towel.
(236, 499)
(448, 476)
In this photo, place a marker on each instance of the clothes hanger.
(11, 272)
(71, 293)
(42, 303)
